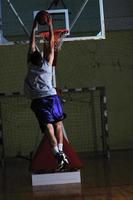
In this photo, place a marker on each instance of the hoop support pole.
(19, 19)
(74, 21)
(78, 14)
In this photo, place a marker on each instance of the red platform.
(44, 161)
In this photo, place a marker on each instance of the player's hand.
(49, 20)
(34, 24)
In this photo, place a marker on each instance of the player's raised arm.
(50, 56)
(32, 44)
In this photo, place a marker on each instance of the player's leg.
(50, 132)
(52, 138)
(53, 141)
(59, 136)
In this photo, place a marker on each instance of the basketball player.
(45, 101)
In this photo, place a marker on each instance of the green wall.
(106, 63)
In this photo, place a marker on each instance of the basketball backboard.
(84, 18)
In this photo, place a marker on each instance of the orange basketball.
(42, 17)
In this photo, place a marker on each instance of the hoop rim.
(57, 33)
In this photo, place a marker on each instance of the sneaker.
(64, 157)
(62, 161)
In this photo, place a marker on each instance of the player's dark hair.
(35, 58)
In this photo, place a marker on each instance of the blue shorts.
(47, 110)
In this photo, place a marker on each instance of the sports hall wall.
(106, 63)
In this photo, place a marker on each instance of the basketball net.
(58, 34)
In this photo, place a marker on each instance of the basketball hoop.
(58, 34)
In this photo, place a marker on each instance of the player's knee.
(49, 127)
(58, 125)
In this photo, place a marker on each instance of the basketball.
(42, 17)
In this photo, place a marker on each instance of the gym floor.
(101, 179)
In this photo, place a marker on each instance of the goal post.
(86, 124)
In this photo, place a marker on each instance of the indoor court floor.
(101, 179)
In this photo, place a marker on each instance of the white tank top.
(38, 82)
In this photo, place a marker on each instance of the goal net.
(83, 125)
